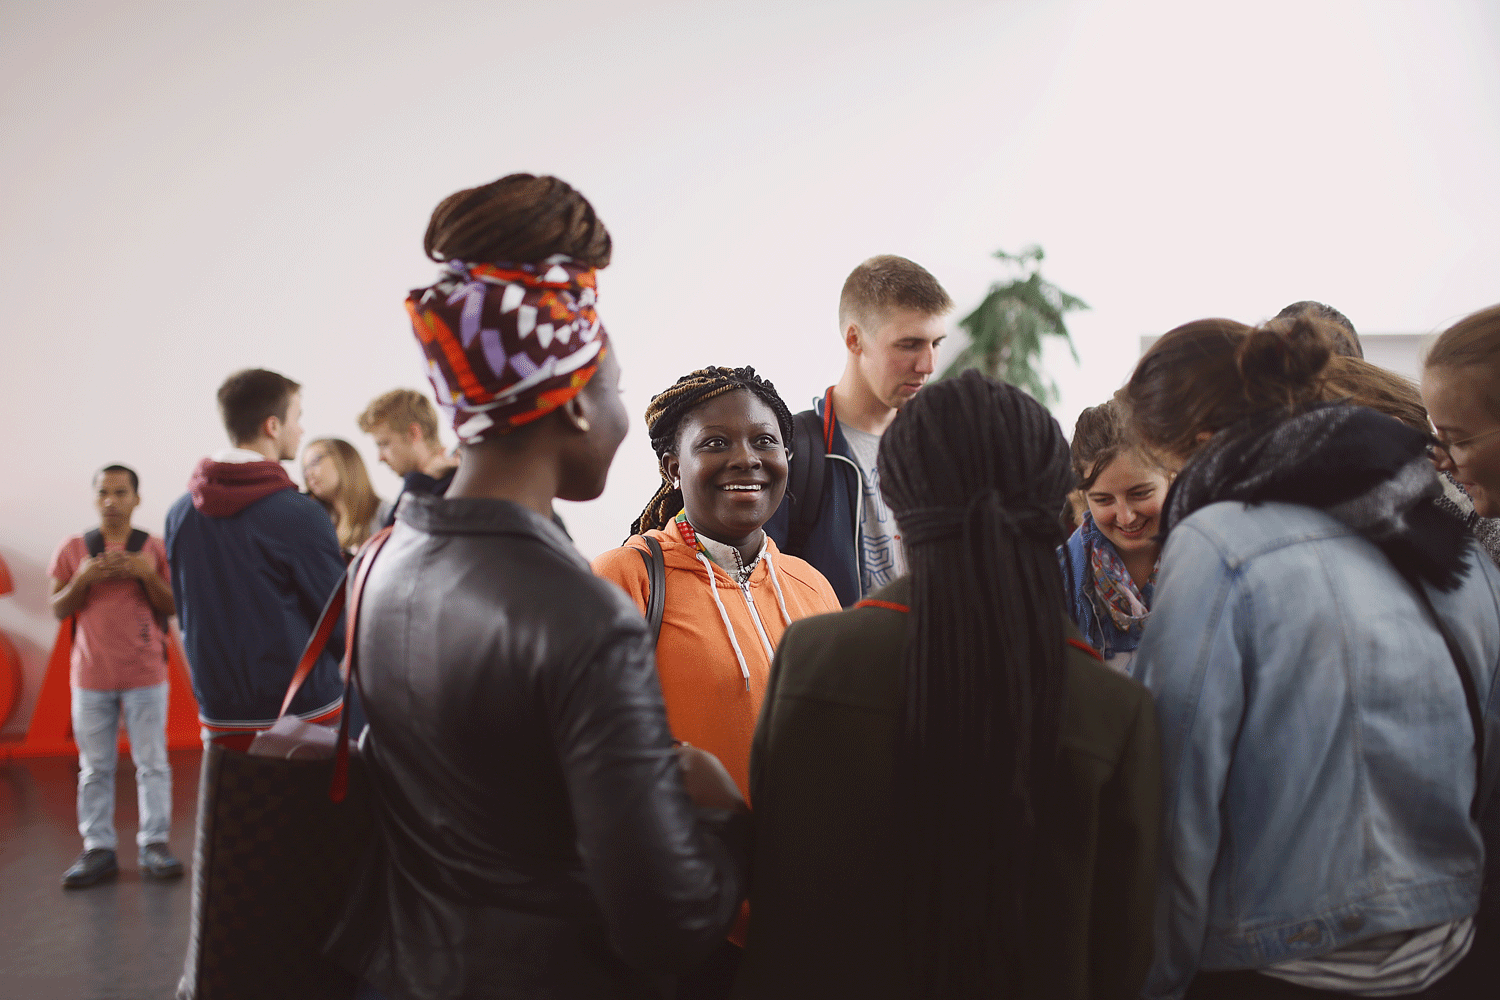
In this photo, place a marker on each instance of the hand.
(114, 565)
(708, 783)
(136, 564)
(91, 569)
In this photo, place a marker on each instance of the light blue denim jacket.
(1317, 750)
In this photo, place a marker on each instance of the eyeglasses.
(1437, 449)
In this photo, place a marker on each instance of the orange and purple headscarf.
(507, 343)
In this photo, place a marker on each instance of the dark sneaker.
(157, 862)
(91, 867)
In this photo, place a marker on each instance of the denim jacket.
(1317, 752)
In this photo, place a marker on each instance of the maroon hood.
(223, 489)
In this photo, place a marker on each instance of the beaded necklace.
(740, 571)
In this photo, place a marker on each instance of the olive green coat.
(825, 885)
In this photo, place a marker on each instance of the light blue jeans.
(96, 730)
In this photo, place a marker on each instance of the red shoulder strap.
(888, 605)
(340, 784)
(1076, 644)
(828, 420)
(315, 645)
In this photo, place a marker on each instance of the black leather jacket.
(533, 836)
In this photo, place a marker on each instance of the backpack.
(656, 585)
(93, 540)
(810, 438)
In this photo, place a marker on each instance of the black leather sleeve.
(668, 884)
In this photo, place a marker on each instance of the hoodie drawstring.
(713, 588)
(786, 619)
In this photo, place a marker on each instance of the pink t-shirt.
(118, 643)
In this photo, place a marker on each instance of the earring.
(677, 484)
(582, 423)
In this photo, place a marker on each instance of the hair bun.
(1281, 363)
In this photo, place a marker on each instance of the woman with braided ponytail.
(954, 797)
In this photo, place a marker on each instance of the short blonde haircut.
(398, 410)
(888, 282)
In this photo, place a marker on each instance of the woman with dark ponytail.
(954, 797)
(1322, 651)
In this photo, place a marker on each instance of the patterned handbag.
(279, 843)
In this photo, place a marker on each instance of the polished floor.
(120, 940)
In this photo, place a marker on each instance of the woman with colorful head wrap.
(536, 835)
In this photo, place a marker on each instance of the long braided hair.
(975, 472)
(664, 416)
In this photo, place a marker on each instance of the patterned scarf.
(527, 340)
(1367, 470)
(1128, 606)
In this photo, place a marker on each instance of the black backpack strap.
(93, 540)
(806, 481)
(656, 586)
(1465, 678)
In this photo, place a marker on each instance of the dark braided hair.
(518, 218)
(975, 471)
(664, 418)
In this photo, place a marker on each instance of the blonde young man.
(405, 428)
(891, 316)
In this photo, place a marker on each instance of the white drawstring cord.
(786, 619)
(713, 588)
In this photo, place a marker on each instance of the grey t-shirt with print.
(884, 558)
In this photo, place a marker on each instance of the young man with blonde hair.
(891, 318)
(404, 424)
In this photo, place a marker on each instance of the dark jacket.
(534, 838)
(253, 562)
(826, 887)
(833, 546)
(420, 484)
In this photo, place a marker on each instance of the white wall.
(191, 188)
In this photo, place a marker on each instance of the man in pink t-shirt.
(114, 584)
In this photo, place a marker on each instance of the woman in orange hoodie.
(721, 435)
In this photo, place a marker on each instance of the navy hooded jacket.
(253, 562)
(833, 546)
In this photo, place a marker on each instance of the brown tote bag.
(279, 844)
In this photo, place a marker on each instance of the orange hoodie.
(713, 696)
